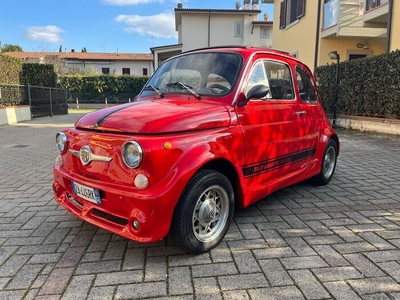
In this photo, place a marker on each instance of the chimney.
(179, 6)
(255, 4)
(246, 4)
(72, 50)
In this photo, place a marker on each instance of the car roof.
(247, 50)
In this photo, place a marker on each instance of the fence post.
(51, 103)
(66, 101)
(77, 103)
(129, 100)
(106, 102)
(28, 95)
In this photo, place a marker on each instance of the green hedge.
(367, 87)
(14, 71)
(10, 69)
(39, 74)
(102, 86)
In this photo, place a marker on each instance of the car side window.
(257, 76)
(306, 87)
(280, 80)
(274, 75)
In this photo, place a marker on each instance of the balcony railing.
(345, 18)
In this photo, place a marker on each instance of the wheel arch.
(226, 168)
(336, 139)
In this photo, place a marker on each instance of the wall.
(395, 36)
(135, 66)
(194, 31)
(217, 29)
(12, 114)
(299, 38)
(345, 47)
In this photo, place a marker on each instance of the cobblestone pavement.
(341, 241)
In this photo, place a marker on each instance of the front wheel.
(203, 213)
(328, 164)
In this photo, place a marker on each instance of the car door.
(310, 107)
(272, 126)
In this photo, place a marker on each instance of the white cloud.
(129, 2)
(48, 34)
(161, 25)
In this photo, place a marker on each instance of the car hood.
(158, 116)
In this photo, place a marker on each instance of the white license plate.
(87, 193)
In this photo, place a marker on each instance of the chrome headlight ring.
(61, 142)
(132, 154)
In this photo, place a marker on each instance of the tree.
(11, 48)
(60, 49)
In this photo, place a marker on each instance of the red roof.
(83, 55)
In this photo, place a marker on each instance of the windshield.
(199, 74)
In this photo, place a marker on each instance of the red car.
(212, 128)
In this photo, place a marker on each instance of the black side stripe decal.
(101, 120)
(272, 164)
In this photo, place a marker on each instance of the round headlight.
(132, 154)
(61, 141)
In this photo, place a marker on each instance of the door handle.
(300, 113)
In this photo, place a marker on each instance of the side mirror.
(256, 92)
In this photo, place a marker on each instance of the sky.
(125, 26)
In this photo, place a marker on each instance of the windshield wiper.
(153, 88)
(186, 87)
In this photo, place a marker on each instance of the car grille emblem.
(86, 156)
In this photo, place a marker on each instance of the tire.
(203, 213)
(328, 164)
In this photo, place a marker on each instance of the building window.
(264, 32)
(357, 56)
(144, 71)
(238, 28)
(291, 11)
(105, 71)
(374, 3)
(126, 71)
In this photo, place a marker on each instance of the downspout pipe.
(317, 34)
(389, 26)
(209, 28)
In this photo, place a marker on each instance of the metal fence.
(44, 101)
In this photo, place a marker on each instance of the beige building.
(136, 64)
(200, 28)
(353, 28)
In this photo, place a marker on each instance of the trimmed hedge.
(39, 74)
(10, 69)
(367, 87)
(15, 71)
(103, 86)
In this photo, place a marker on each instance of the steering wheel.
(220, 87)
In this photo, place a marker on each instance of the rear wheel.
(328, 165)
(204, 212)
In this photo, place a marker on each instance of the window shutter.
(301, 8)
(282, 18)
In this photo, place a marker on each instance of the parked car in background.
(212, 128)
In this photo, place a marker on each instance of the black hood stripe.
(101, 120)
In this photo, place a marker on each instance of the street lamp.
(335, 55)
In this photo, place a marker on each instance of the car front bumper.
(142, 216)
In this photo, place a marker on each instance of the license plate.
(87, 193)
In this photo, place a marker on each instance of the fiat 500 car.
(212, 129)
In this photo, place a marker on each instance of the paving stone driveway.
(341, 241)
